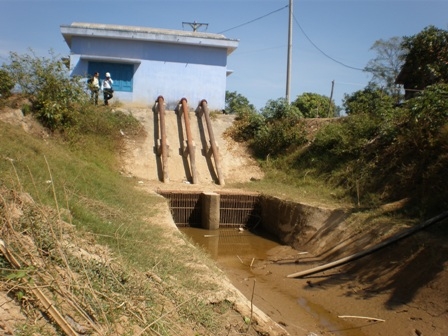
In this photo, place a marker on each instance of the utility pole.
(288, 70)
(331, 99)
(195, 25)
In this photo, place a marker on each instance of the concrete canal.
(257, 245)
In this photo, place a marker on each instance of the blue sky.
(326, 33)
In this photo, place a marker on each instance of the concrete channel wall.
(298, 224)
(293, 224)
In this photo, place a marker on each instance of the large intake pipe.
(204, 107)
(190, 143)
(163, 142)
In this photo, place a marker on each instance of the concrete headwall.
(297, 224)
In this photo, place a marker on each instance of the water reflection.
(246, 257)
(231, 242)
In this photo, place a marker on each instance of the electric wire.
(248, 22)
(321, 51)
(303, 32)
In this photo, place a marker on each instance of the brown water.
(249, 261)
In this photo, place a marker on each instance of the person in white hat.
(108, 91)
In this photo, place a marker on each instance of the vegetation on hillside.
(381, 151)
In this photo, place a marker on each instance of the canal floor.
(257, 265)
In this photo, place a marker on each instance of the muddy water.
(258, 265)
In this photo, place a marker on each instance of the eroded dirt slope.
(142, 161)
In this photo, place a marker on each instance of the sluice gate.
(235, 210)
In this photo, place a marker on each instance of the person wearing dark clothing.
(108, 91)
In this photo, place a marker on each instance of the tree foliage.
(237, 103)
(313, 105)
(273, 131)
(372, 100)
(47, 84)
(426, 61)
(6, 83)
(387, 64)
(279, 109)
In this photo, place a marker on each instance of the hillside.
(405, 282)
(57, 283)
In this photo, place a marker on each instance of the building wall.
(171, 70)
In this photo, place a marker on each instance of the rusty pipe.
(163, 141)
(190, 144)
(203, 105)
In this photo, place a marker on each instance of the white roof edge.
(147, 34)
(110, 59)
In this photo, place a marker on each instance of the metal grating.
(239, 210)
(185, 207)
(236, 210)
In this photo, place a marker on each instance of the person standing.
(94, 86)
(108, 91)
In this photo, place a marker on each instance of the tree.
(279, 109)
(236, 102)
(313, 105)
(426, 62)
(387, 64)
(372, 101)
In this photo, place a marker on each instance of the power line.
(301, 29)
(321, 51)
(261, 17)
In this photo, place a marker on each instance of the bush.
(6, 83)
(47, 84)
(278, 137)
(313, 105)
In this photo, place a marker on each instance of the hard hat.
(107, 74)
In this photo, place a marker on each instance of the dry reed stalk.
(163, 315)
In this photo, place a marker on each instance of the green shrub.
(279, 136)
(54, 96)
(6, 83)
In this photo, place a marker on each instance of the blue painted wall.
(171, 70)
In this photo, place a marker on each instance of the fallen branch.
(162, 316)
(54, 313)
(385, 243)
(363, 317)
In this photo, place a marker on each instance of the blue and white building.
(149, 62)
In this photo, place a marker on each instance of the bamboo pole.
(361, 254)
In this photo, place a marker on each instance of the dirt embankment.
(141, 157)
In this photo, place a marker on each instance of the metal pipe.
(164, 147)
(203, 105)
(190, 144)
